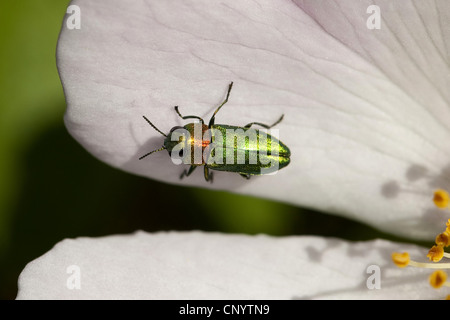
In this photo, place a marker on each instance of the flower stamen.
(443, 239)
(402, 260)
(438, 279)
(436, 253)
(441, 198)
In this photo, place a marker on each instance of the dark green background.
(51, 188)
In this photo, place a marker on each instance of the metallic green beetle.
(223, 147)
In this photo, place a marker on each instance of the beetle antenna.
(154, 126)
(147, 154)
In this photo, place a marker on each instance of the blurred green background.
(51, 188)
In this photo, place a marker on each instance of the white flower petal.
(364, 109)
(197, 265)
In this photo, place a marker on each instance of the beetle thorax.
(192, 136)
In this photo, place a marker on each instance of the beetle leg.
(264, 125)
(245, 176)
(208, 175)
(187, 173)
(211, 121)
(188, 117)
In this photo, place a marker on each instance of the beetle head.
(176, 139)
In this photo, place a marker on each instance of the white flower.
(367, 111)
(367, 121)
(197, 265)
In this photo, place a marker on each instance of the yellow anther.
(438, 278)
(441, 198)
(401, 260)
(436, 253)
(443, 239)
